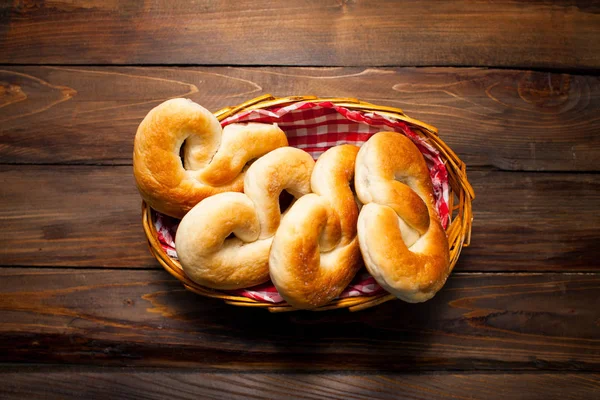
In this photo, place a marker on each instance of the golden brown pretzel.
(214, 157)
(401, 239)
(315, 252)
(207, 254)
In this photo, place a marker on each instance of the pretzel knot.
(315, 252)
(401, 239)
(214, 157)
(206, 252)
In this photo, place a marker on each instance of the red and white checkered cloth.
(315, 127)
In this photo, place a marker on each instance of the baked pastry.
(213, 157)
(206, 250)
(315, 252)
(401, 239)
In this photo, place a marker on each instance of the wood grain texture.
(555, 34)
(513, 120)
(71, 216)
(123, 383)
(146, 318)
(89, 216)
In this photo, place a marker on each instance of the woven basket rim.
(458, 230)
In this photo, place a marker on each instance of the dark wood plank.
(146, 318)
(125, 383)
(512, 120)
(306, 32)
(71, 216)
(90, 216)
(534, 222)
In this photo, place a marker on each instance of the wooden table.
(513, 86)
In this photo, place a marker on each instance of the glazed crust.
(315, 252)
(401, 238)
(206, 252)
(214, 157)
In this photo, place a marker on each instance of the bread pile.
(372, 206)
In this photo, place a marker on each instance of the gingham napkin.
(315, 127)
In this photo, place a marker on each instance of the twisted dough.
(214, 157)
(315, 252)
(206, 253)
(401, 239)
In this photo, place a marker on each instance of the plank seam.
(570, 71)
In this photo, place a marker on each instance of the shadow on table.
(392, 336)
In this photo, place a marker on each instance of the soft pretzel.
(206, 252)
(401, 239)
(315, 252)
(214, 158)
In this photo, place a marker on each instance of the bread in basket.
(314, 125)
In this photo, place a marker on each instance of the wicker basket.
(458, 231)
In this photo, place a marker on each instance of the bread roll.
(209, 256)
(214, 158)
(315, 252)
(401, 239)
